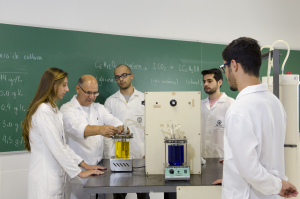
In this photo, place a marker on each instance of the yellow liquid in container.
(125, 151)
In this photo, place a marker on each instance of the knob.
(173, 102)
(171, 171)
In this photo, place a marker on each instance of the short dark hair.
(80, 81)
(246, 51)
(217, 73)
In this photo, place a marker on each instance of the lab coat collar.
(221, 100)
(76, 104)
(252, 89)
(118, 94)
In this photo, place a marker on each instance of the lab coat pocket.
(56, 182)
(226, 193)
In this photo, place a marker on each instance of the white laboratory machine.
(162, 109)
(289, 97)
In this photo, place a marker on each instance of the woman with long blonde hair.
(43, 132)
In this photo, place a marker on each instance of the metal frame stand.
(276, 69)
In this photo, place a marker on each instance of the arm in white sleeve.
(109, 148)
(77, 159)
(243, 142)
(51, 136)
(72, 122)
(109, 119)
(109, 145)
(107, 105)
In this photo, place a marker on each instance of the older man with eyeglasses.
(85, 124)
(127, 103)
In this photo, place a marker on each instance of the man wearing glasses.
(255, 126)
(85, 124)
(127, 103)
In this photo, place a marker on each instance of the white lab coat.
(89, 148)
(50, 156)
(255, 127)
(212, 126)
(134, 110)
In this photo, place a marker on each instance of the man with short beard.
(127, 103)
(213, 110)
(255, 129)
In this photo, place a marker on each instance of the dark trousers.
(139, 195)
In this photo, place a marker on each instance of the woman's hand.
(86, 174)
(91, 167)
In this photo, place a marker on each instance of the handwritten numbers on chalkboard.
(7, 140)
(159, 66)
(2, 77)
(5, 107)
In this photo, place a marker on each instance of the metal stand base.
(121, 164)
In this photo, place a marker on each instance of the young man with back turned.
(255, 127)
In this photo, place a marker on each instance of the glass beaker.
(176, 154)
(122, 148)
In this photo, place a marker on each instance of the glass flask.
(176, 154)
(122, 148)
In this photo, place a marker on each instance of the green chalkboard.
(157, 65)
(26, 52)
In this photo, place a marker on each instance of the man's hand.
(91, 167)
(222, 161)
(85, 174)
(288, 190)
(121, 129)
(218, 182)
(107, 130)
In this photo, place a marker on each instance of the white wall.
(216, 21)
(14, 175)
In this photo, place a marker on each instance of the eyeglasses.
(89, 92)
(222, 67)
(124, 75)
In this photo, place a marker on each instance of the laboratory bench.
(138, 182)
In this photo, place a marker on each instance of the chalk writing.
(32, 57)
(112, 65)
(189, 68)
(103, 79)
(11, 94)
(157, 81)
(193, 82)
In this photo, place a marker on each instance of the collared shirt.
(75, 121)
(255, 127)
(134, 110)
(212, 126)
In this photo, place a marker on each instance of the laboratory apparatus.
(176, 167)
(121, 161)
(161, 110)
(289, 97)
